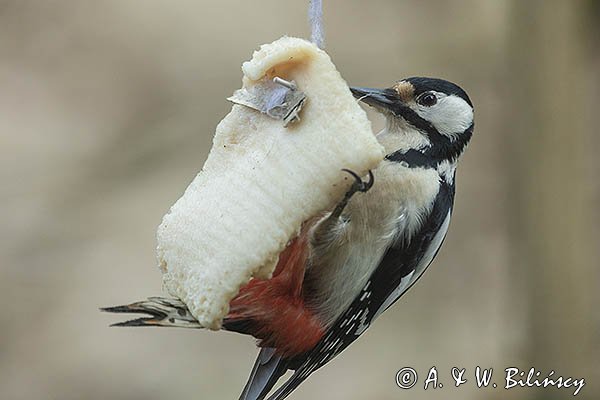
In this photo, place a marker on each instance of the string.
(315, 18)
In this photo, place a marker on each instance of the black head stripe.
(422, 85)
(413, 118)
(443, 147)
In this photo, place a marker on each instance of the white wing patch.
(363, 325)
(446, 169)
(409, 279)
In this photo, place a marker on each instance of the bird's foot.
(359, 185)
(163, 311)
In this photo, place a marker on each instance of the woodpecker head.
(430, 115)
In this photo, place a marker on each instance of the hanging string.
(315, 18)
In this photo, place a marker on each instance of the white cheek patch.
(451, 115)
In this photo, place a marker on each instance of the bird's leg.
(358, 186)
(164, 312)
(326, 231)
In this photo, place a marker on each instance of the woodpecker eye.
(427, 99)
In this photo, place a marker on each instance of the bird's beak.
(378, 98)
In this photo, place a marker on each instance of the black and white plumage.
(367, 258)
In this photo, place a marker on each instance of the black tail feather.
(163, 312)
(268, 368)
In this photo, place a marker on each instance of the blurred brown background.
(107, 110)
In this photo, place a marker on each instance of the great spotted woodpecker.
(349, 265)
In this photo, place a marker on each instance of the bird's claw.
(359, 185)
(163, 311)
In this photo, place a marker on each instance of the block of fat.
(262, 180)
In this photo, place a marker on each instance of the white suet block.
(261, 181)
